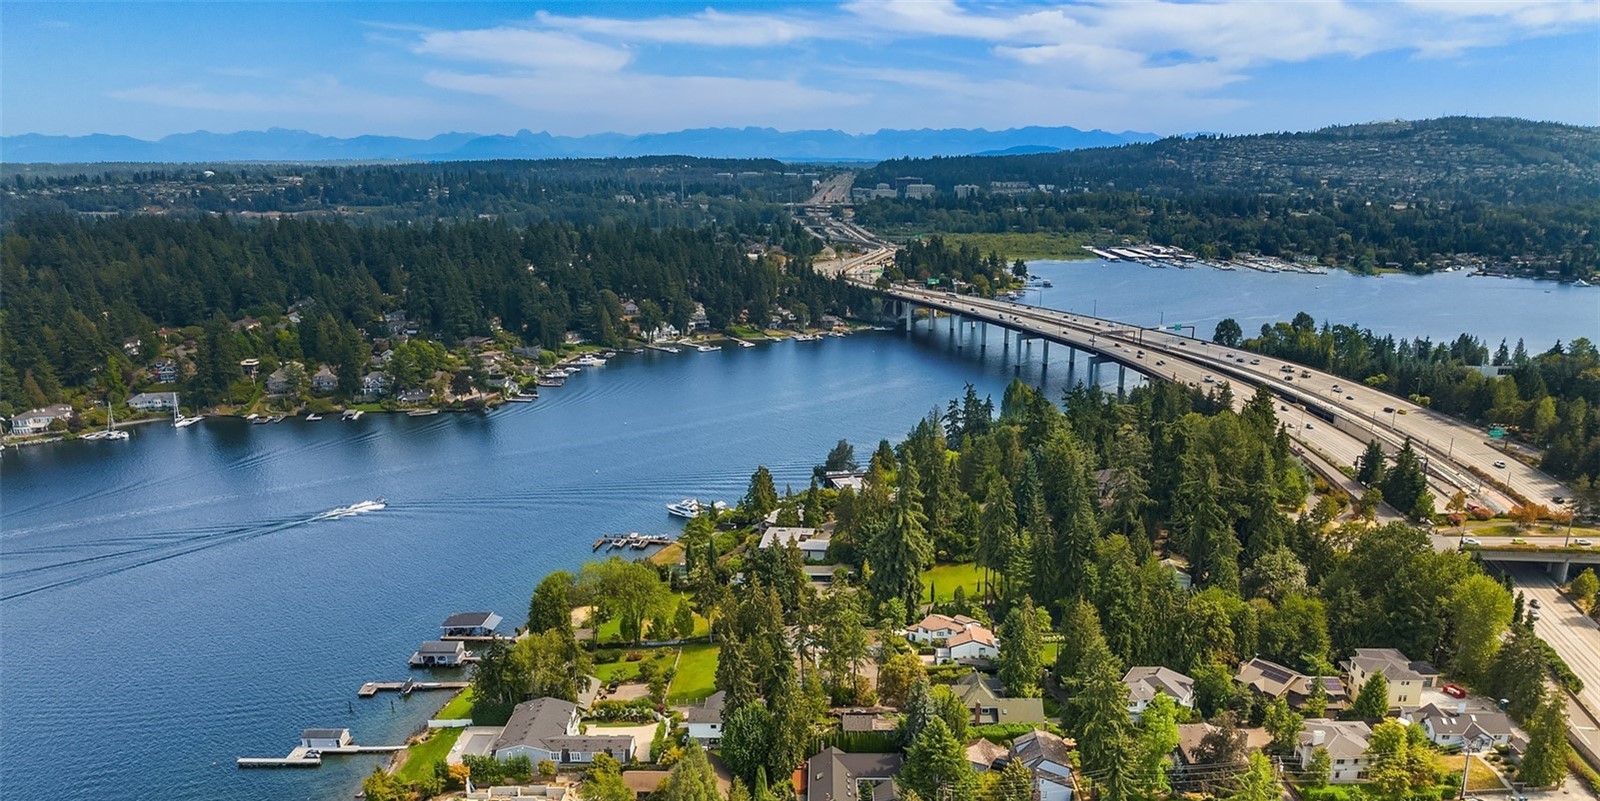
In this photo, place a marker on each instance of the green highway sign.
(1498, 432)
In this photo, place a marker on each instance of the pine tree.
(1372, 468)
(936, 765)
(1022, 650)
(1372, 700)
(1545, 763)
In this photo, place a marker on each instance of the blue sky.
(417, 69)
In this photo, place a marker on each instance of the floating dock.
(637, 542)
(407, 687)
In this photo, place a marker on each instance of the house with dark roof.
(1472, 730)
(1272, 680)
(705, 721)
(1407, 678)
(985, 696)
(984, 755)
(833, 775)
(1049, 759)
(547, 728)
(438, 653)
(319, 739)
(469, 624)
(1145, 683)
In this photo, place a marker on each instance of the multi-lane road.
(1343, 415)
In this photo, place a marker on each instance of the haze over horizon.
(419, 70)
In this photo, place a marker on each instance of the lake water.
(168, 603)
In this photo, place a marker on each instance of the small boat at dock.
(353, 414)
(313, 417)
(707, 348)
(422, 412)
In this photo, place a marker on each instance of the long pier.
(637, 542)
(408, 687)
(303, 757)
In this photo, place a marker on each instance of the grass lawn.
(623, 670)
(458, 708)
(1479, 777)
(943, 579)
(1016, 245)
(609, 633)
(697, 670)
(420, 757)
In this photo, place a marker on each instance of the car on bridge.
(1470, 541)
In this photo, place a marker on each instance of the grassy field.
(420, 757)
(459, 707)
(1479, 777)
(1015, 245)
(622, 670)
(697, 670)
(609, 633)
(943, 579)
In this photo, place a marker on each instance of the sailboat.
(112, 432)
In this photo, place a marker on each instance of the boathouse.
(438, 653)
(318, 739)
(469, 624)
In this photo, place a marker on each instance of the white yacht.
(686, 508)
(707, 348)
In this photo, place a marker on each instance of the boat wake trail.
(360, 508)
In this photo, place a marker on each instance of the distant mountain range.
(280, 144)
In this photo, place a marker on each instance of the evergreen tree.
(1372, 469)
(1022, 650)
(762, 495)
(1372, 700)
(692, 778)
(901, 549)
(1545, 762)
(936, 765)
(1258, 783)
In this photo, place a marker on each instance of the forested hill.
(1453, 158)
(81, 293)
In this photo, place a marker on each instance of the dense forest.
(1453, 159)
(77, 290)
(1347, 232)
(1551, 399)
(662, 191)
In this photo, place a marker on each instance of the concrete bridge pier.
(908, 315)
(983, 337)
(1122, 377)
(1558, 571)
(1047, 353)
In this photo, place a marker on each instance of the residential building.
(984, 755)
(469, 624)
(438, 653)
(154, 401)
(966, 190)
(413, 396)
(839, 479)
(812, 542)
(318, 739)
(164, 371)
(705, 721)
(547, 728)
(1049, 759)
(1272, 680)
(861, 720)
(919, 191)
(987, 699)
(975, 645)
(37, 421)
(250, 367)
(278, 382)
(1476, 730)
(1407, 678)
(939, 627)
(1180, 573)
(833, 775)
(1145, 683)
(1346, 742)
(374, 384)
(325, 380)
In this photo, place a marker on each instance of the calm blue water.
(167, 603)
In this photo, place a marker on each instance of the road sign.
(1497, 432)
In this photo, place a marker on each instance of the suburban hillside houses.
(547, 728)
(1346, 742)
(1407, 678)
(987, 699)
(1145, 683)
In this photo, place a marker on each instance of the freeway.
(1455, 453)
(1575, 637)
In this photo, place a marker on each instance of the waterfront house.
(278, 382)
(833, 775)
(705, 721)
(1049, 759)
(1270, 680)
(319, 739)
(250, 367)
(839, 479)
(438, 653)
(154, 401)
(374, 384)
(812, 542)
(1145, 683)
(986, 698)
(37, 421)
(414, 396)
(325, 380)
(547, 728)
(1346, 742)
(469, 624)
(1407, 677)
(1459, 728)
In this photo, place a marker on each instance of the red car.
(1454, 690)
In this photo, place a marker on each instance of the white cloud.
(710, 28)
(524, 47)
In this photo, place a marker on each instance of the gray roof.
(832, 774)
(1039, 746)
(532, 722)
(1144, 682)
(439, 647)
(1470, 725)
(708, 712)
(323, 734)
(1395, 665)
(464, 620)
(1344, 739)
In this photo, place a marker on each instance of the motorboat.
(707, 348)
(313, 417)
(688, 508)
(589, 360)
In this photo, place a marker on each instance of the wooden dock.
(303, 757)
(408, 687)
(637, 542)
